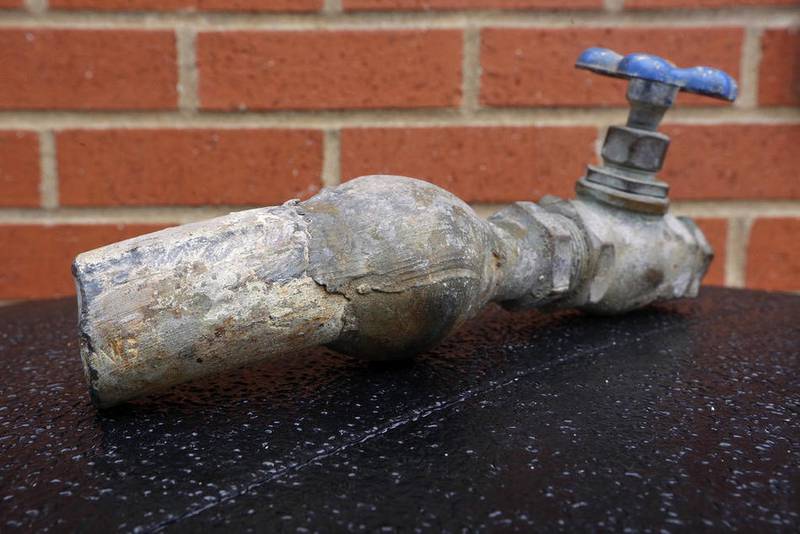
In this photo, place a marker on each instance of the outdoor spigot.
(383, 267)
(634, 153)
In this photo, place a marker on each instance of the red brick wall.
(118, 117)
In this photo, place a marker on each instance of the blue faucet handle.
(701, 80)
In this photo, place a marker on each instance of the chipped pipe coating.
(381, 267)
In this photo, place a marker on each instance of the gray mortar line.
(327, 20)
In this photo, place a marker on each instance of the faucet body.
(384, 267)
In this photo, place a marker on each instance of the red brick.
(123, 5)
(19, 169)
(733, 161)
(699, 4)
(535, 67)
(190, 167)
(479, 164)
(87, 69)
(716, 231)
(779, 72)
(412, 5)
(190, 5)
(773, 257)
(36, 259)
(260, 5)
(330, 69)
(4, 4)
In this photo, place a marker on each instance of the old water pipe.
(384, 267)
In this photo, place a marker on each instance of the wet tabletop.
(680, 417)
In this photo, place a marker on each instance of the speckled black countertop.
(680, 417)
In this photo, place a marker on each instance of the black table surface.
(680, 417)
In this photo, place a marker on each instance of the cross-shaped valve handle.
(654, 82)
(701, 80)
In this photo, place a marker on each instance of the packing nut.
(636, 149)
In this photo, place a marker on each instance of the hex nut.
(634, 148)
(604, 254)
(563, 254)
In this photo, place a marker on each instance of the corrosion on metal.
(384, 267)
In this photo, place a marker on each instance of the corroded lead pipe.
(384, 267)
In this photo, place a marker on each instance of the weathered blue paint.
(701, 80)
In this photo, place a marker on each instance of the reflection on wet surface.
(677, 416)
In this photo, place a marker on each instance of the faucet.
(383, 267)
